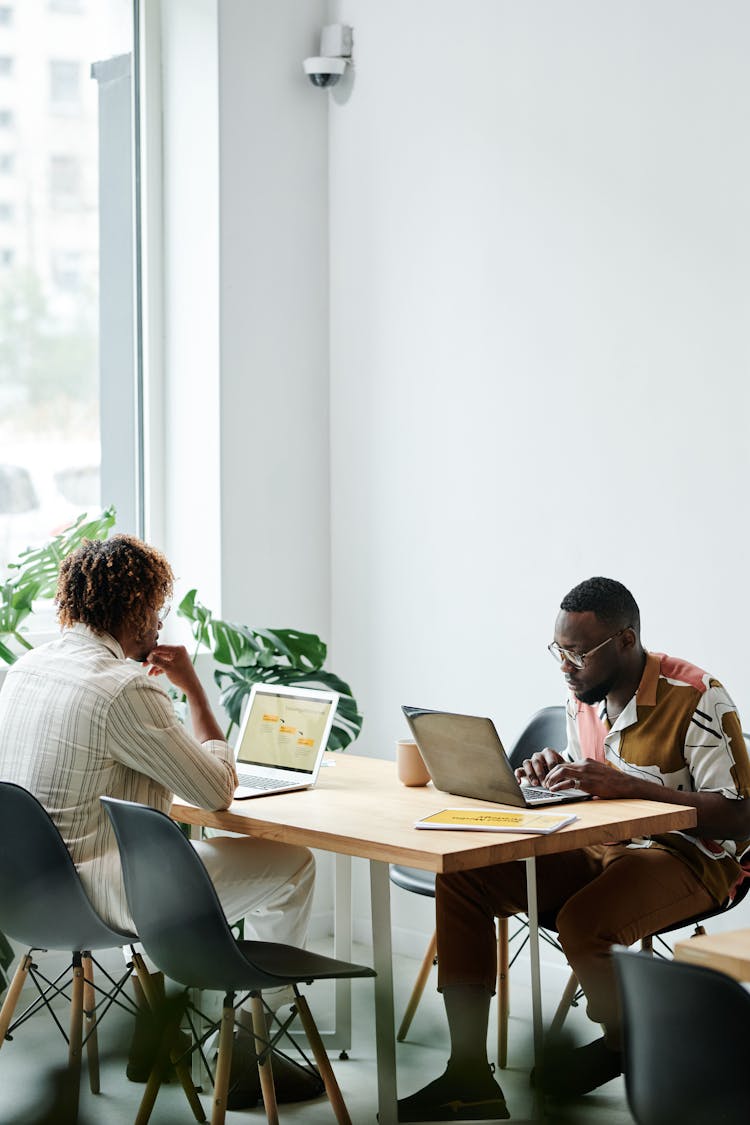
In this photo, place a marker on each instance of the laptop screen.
(284, 728)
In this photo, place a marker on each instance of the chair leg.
(324, 1063)
(89, 1015)
(13, 993)
(153, 997)
(565, 1002)
(75, 1037)
(424, 971)
(647, 944)
(503, 992)
(264, 1068)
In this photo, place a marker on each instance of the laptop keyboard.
(254, 782)
(535, 793)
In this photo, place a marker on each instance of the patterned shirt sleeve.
(715, 750)
(146, 735)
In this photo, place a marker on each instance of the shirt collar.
(645, 695)
(104, 639)
(646, 691)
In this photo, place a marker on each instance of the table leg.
(536, 978)
(385, 1039)
(342, 949)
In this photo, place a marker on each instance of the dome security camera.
(325, 70)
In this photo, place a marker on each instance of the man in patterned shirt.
(85, 716)
(640, 725)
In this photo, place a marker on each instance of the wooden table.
(728, 952)
(359, 808)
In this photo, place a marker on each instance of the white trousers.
(268, 885)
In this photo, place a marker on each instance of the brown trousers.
(603, 895)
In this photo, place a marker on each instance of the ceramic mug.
(410, 764)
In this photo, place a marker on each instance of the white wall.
(274, 318)
(540, 261)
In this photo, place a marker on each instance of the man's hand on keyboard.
(535, 769)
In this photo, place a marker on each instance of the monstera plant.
(271, 656)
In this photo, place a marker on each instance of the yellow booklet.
(489, 820)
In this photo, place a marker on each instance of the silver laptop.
(465, 756)
(282, 738)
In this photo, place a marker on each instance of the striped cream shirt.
(79, 721)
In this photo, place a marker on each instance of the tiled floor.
(27, 1062)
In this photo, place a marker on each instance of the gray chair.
(184, 931)
(545, 728)
(43, 906)
(685, 1030)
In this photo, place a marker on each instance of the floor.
(25, 1099)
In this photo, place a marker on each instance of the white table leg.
(342, 950)
(536, 978)
(385, 1028)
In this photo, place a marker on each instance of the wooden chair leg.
(75, 1037)
(13, 993)
(89, 1016)
(224, 1061)
(565, 1002)
(503, 992)
(647, 945)
(424, 971)
(264, 1068)
(324, 1063)
(152, 991)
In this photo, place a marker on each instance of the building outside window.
(64, 180)
(64, 85)
(49, 265)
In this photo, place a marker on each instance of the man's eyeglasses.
(163, 613)
(578, 659)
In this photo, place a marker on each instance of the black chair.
(184, 931)
(545, 728)
(685, 1042)
(44, 907)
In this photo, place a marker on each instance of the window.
(64, 86)
(52, 300)
(64, 180)
(67, 267)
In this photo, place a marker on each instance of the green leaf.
(303, 650)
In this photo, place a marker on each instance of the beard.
(596, 693)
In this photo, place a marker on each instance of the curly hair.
(104, 583)
(607, 599)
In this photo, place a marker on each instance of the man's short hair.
(610, 601)
(104, 583)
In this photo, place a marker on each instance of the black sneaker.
(144, 1048)
(293, 1081)
(575, 1071)
(453, 1097)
